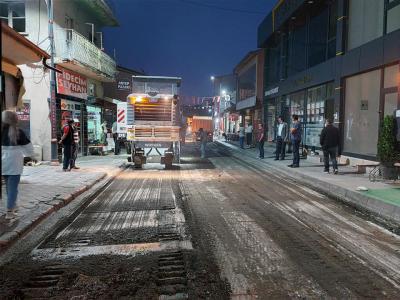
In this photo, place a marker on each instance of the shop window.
(392, 76)
(391, 103)
(95, 130)
(14, 15)
(365, 21)
(315, 120)
(393, 18)
(362, 97)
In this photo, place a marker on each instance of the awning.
(247, 103)
(18, 50)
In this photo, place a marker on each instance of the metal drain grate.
(42, 280)
(172, 279)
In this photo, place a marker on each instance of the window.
(14, 15)
(392, 76)
(365, 21)
(318, 38)
(247, 83)
(393, 17)
(362, 98)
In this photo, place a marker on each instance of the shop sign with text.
(71, 84)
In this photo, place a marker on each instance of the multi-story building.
(224, 89)
(249, 89)
(78, 54)
(334, 59)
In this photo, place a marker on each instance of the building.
(78, 55)
(16, 51)
(249, 74)
(224, 103)
(334, 59)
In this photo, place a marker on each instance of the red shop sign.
(71, 84)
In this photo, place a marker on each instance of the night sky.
(182, 38)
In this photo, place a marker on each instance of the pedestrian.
(115, 137)
(295, 139)
(261, 140)
(241, 135)
(75, 145)
(282, 137)
(67, 140)
(14, 146)
(330, 143)
(249, 135)
(203, 142)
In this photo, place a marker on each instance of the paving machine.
(155, 128)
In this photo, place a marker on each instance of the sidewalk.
(382, 198)
(45, 189)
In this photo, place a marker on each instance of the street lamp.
(212, 78)
(223, 92)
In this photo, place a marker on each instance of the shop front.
(71, 104)
(313, 106)
(369, 97)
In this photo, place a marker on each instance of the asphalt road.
(224, 227)
(276, 239)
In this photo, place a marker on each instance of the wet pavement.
(219, 228)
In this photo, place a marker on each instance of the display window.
(94, 126)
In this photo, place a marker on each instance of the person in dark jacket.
(330, 143)
(295, 139)
(67, 140)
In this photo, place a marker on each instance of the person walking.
(241, 135)
(295, 138)
(261, 140)
(330, 143)
(67, 140)
(115, 137)
(14, 146)
(75, 145)
(203, 142)
(282, 137)
(249, 135)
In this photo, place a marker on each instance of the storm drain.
(42, 280)
(172, 278)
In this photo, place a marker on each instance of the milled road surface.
(195, 231)
(275, 239)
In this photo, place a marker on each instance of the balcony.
(76, 52)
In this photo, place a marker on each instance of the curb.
(381, 210)
(7, 239)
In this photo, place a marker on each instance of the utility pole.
(53, 118)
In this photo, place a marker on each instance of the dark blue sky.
(179, 38)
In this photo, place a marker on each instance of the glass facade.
(304, 41)
(247, 83)
(393, 16)
(365, 21)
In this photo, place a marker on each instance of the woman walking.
(14, 146)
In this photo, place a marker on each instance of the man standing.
(115, 137)
(75, 145)
(203, 142)
(241, 135)
(330, 143)
(281, 139)
(67, 141)
(261, 140)
(295, 138)
(249, 135)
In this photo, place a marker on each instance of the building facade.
(249, 75)
(335, 59)
(79, 55)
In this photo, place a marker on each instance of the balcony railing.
(73, 46)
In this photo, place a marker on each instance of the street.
(224, 227)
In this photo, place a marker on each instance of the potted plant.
(387, 148)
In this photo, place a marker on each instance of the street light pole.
(53, 118)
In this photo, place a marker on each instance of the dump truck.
(155, 128)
